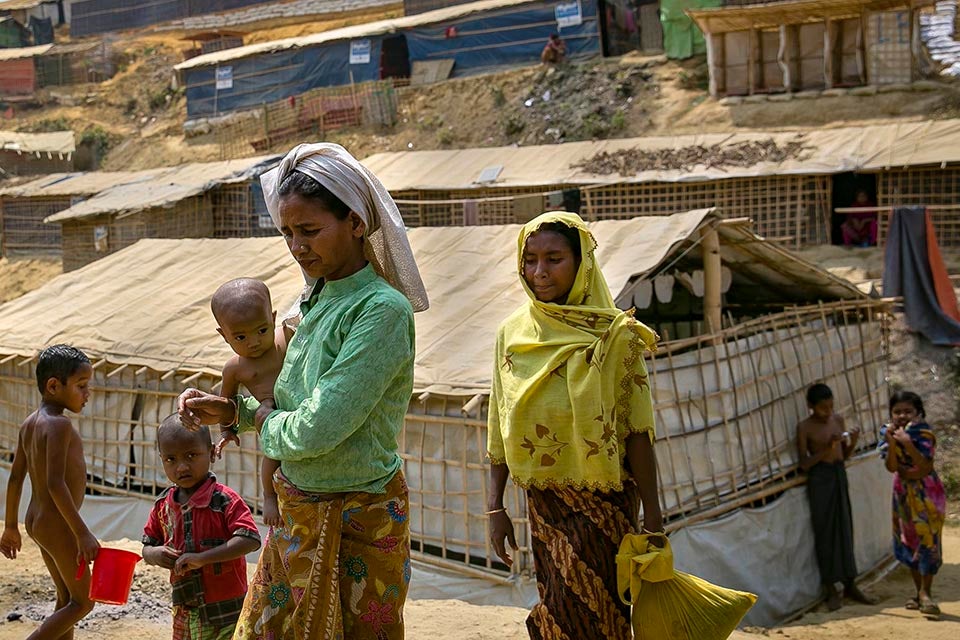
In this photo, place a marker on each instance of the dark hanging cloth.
(42, 29)
(913, 269)
(832, 522)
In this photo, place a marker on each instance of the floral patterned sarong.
(338, 568)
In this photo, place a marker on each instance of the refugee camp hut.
(759, 323)
(479, 36)
(75, 63)
(801, 45)
(18, 72)
(24, 207)
(199, 200)
(13, 35)
(31, 153)
(788, 183)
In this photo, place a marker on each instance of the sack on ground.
(672, 605)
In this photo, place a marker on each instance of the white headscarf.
(386, 245)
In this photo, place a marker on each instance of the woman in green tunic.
(340, 564)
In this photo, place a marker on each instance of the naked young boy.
(50, 450)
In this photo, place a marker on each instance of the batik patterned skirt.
(919, 507)
(576, 535)
(338, 568)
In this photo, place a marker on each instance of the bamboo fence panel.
(308, 116)
(922, 186)
(791, 209)
(726, 406)
(23, 231)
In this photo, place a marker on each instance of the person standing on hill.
(824, 444)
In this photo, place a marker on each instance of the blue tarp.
(90, 17)
(274, 76)
(482, 41)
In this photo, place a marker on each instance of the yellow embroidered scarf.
(569, 382)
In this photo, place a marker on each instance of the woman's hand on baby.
(196, 408)
(266, 408)
(226, 437)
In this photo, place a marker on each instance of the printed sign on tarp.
(569, 14)
(224, 77)
(359, 51)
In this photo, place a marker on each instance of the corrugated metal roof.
(164, 187)
(470, 272)
(18, 53)
(356, 31)
(53, 142)
(829, 151)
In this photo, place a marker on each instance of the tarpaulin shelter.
(682, 38)
(198, 200)
(32, 153)
(726, 400)
(18, 72)
(478, 36)
(24, 207)
(23, 11)
(800, 45)
(788, 200)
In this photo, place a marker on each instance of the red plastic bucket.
(112, 575)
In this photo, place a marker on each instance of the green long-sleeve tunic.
(344, 388)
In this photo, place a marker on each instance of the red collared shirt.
(214, 514)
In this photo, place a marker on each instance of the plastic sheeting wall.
(483, 41)
(90, 17)
(769, 550)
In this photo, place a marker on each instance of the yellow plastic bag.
(672, 605)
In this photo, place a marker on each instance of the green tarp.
(681, 37)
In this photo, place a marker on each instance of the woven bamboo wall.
(923, 186)
(228, 211)
(485, 206)
(726, 406)
(24, 232)
(794, 210)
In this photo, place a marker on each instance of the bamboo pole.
(712, 275)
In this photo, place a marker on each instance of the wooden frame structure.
(803, 45)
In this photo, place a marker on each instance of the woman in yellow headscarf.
(571, 421)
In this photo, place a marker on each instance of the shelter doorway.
(394, 57)
(618, 26)
(844, 194)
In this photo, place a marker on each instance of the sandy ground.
(25, 589)
(18, 276)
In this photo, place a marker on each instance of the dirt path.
(25, 589)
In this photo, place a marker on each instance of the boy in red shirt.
(200, 530)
